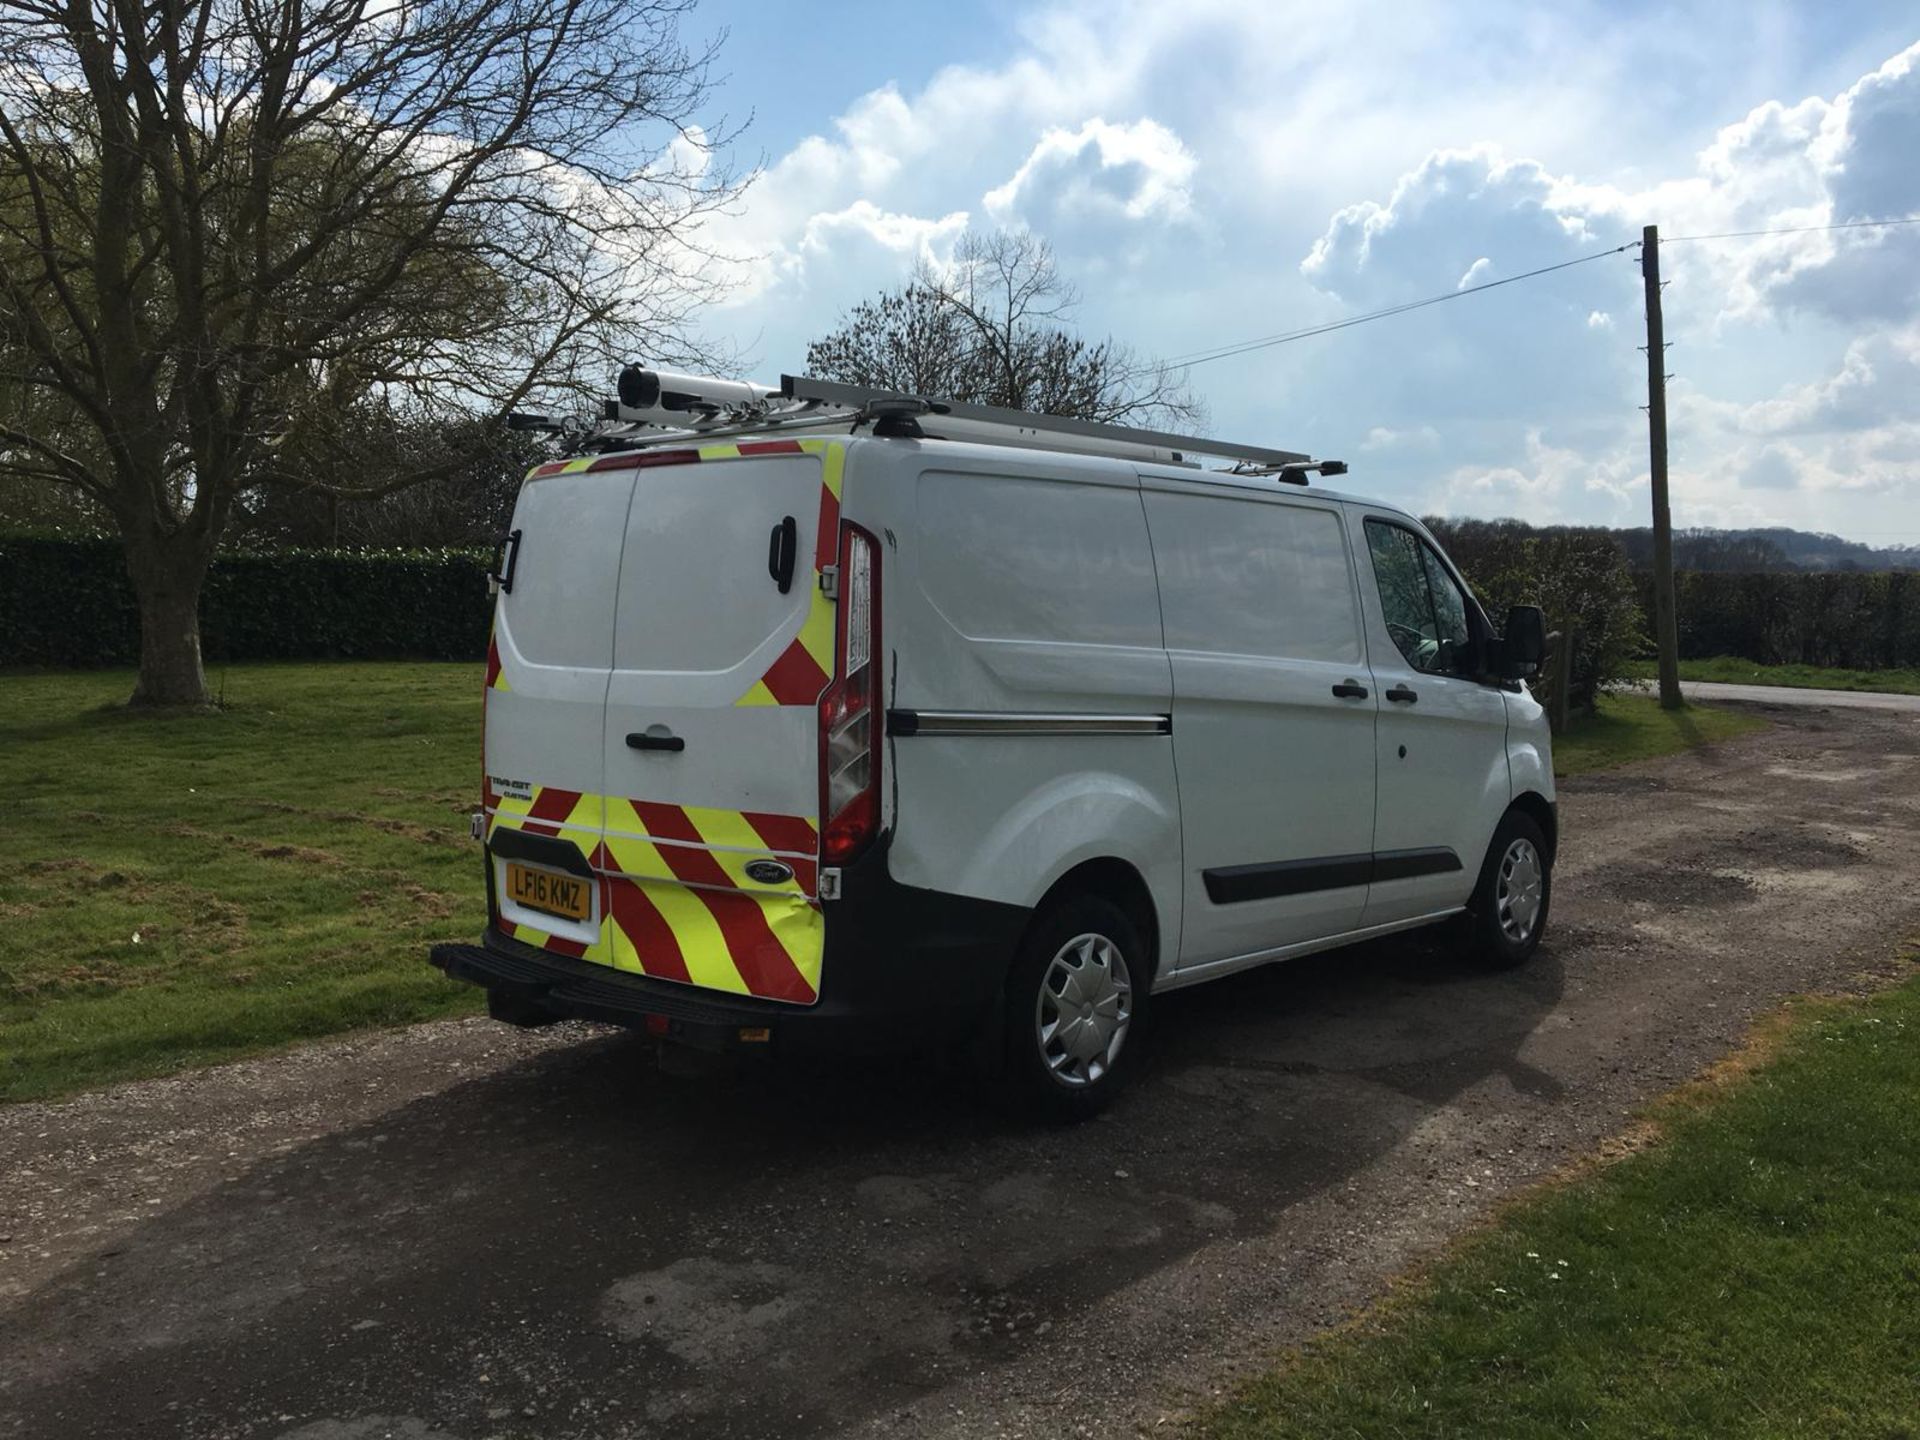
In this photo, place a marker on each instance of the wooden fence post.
(1560, 678)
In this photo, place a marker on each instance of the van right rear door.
(723, 641)
(1273, 716)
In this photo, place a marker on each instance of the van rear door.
(722, 644)
(546, 692)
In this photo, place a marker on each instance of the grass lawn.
(181, 889)
(1757, 1273)
(1634, 727)
(1731, 670)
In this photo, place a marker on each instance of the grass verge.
(187, 888)
(1626, 728)
(1755, 1273)
(1731, 670)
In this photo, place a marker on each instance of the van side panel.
(1016, 599)
(1273, 718)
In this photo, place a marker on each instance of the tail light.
(850, 709)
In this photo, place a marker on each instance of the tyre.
(1075, 1002)
(1508, 912)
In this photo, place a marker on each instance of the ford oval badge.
(769, 872)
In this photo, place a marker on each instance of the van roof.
(643, 452)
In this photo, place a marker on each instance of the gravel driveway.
(459, 1231)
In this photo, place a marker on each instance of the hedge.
(1579, 577)
(67, 602)
(1856, 620)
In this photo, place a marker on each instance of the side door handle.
(1350, 690)
(1402, 695)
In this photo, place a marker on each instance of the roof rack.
(661, 408)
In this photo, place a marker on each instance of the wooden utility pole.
(1666, 637)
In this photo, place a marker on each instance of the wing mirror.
(1522, 647)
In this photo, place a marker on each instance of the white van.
(802, 735)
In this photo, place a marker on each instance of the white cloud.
(1278, 133)
(1542, 482)
(863, 224)
(1382, 437)
(1139, 171)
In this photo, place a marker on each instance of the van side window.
(1254, 577)
(1425, 612)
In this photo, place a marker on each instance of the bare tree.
(993, 329)
(227, 224)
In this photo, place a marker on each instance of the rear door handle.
(638, 741)
(782, 546)
(1350, 690)
(1403, 695)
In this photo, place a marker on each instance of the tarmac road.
(459, 1231)
(1717, 691)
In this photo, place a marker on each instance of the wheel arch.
(1542, 811)
(1117, 881)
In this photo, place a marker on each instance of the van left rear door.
(546, 691)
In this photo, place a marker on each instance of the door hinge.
(830, 581)
(830, 884)
(477, 825)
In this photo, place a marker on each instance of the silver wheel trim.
(1083, 1010)
(1519, 891)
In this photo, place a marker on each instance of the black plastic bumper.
(903, 968)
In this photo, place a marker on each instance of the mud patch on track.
(1787, 846)
(1678, 884)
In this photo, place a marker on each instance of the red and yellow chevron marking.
(496, 678)
(805, 666)
(676, 901)
(549, 810)
(683, 911)
(558, 944)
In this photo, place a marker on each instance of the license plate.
(551, 893)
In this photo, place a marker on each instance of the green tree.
(232, 229)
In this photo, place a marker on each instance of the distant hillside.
(1773, 548)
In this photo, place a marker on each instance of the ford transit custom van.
(856, 722)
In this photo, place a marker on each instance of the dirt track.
(458, 1231)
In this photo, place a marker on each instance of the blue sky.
(1209, 172)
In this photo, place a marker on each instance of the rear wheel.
(1074, 1004)
(1508, 912)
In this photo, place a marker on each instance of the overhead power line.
(1243, 347)
(1794, 230)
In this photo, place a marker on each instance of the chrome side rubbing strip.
(983, 722)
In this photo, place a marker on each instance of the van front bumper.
(903, 968)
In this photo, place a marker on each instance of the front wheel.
(1074, 1005)
(1508, 912)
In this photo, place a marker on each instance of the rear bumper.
(581, 990)
(903, 969)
